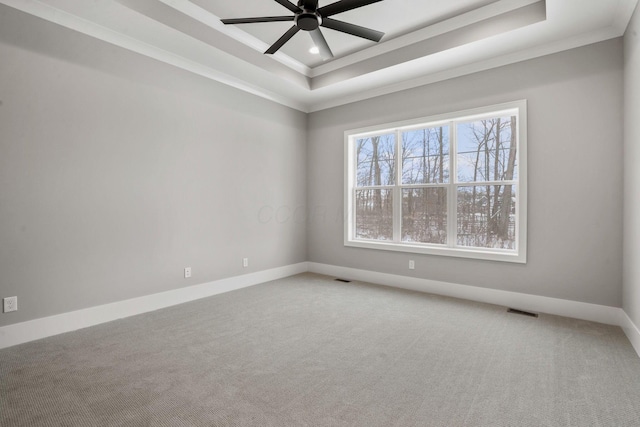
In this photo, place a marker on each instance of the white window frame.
(517, 255)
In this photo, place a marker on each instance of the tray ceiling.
(425, 40)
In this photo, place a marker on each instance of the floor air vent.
(343, 280)
(523, 313)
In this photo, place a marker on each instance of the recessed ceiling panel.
(393, 17)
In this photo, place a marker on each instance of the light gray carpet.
(309, 351)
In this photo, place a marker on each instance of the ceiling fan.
(309, 17)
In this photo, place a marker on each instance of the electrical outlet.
(187, 272)
(412, 264)
(245, 262)
(10, 304)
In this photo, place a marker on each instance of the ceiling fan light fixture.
(314, 50)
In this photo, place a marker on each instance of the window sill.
(487, 255)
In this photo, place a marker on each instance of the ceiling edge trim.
(484, 29)
(449, 25)
(204, 16)
(70, 21)
(496, 62)
(41, 10)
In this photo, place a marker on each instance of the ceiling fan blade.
(354, 30)
(254, 20)
(321, 44)
(292, 7)
(282, 40)
(343, 6)
(310, 4)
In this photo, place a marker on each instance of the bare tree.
(503, 228)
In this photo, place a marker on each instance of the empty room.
(320, 213)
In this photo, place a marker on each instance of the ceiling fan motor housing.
(308, 20)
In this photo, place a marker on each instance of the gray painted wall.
(117, 171)
(575, 107)
(632, 171)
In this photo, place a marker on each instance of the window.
(449, 185)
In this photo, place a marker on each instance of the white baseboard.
(53, 325)
(535, 303)
(631, 330)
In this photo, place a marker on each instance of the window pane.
(374, 214)
(487, 150)
(376, 160)
(425, 156)
(486, 216)
(424, 215)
